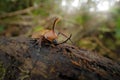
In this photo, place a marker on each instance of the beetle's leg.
(68, 38)
(34, 41)
(39, 41)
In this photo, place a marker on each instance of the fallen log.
(20, 59)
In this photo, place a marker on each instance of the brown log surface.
(21, 60)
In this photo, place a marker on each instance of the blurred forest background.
(94, 24)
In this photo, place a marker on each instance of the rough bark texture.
(20, 59)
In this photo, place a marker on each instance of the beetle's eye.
(54, 41)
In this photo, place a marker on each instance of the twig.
(18, 12)
(103, 46)
(17, 23)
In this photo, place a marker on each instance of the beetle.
(50, 35)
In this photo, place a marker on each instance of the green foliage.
(116, 16)
(82, 19)
(43, 10)
(1, 28)
(40, 11)
(13, 5)
(104, 28)
(40, 1)
(79, 19)
(117, 31)
(38, 28)
(117, 28)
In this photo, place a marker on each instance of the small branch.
(24, 23)
(27, 10)
(103, 46)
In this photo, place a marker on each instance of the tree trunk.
(20, 59)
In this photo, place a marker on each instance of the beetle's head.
(51, 36)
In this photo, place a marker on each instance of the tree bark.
(20, 59)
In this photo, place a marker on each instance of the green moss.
(2, 71)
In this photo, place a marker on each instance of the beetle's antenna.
(54, 24)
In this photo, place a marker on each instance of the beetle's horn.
(55, 22)
(66, 40)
